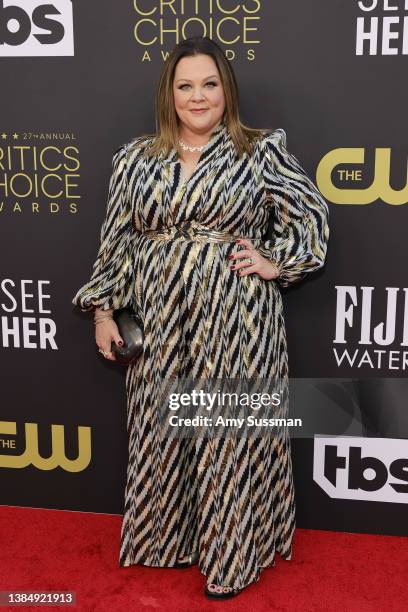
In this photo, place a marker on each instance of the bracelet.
(102, 318)
(277, 266)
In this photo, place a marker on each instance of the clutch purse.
(131, 329)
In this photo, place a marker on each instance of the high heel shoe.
(190, 560)
(222, 594)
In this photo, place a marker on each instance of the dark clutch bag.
(131, 329)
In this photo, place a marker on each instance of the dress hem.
(287, 557)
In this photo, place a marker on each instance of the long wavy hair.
(167, 120)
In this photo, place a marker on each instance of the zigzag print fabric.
(164, 250)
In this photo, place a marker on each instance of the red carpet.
(59, 550)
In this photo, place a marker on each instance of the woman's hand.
(265, 268)
(106, 332)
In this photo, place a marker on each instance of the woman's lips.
(199, 110)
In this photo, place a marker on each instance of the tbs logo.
(36, 27)
(372, 469)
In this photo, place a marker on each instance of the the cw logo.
(31, 453)
(379, 188)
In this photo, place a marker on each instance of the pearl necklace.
(192, 149)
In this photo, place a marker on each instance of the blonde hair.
(167, 120)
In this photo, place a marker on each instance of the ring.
(103, 352)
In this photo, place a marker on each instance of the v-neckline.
(214, 136)
(172, 174)
(185, 180)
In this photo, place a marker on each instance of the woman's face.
(197, 86)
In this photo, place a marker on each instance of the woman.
(183, 243)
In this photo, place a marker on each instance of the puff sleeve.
(300, 224)
(110, 286)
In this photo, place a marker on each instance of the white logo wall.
(36, 28)
(61, 122)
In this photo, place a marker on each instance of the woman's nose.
(198, 94)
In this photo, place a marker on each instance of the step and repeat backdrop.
(78, 80)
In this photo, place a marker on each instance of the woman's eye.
(211, 83)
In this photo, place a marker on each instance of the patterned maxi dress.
(230, 500)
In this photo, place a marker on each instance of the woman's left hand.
(265, 268)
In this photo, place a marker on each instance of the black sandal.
(192, 559)
(225, 594)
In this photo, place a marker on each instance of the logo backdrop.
(78, 81)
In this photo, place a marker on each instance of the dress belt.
(190, 230)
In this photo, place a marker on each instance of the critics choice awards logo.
(39, 173)
(159, 26)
